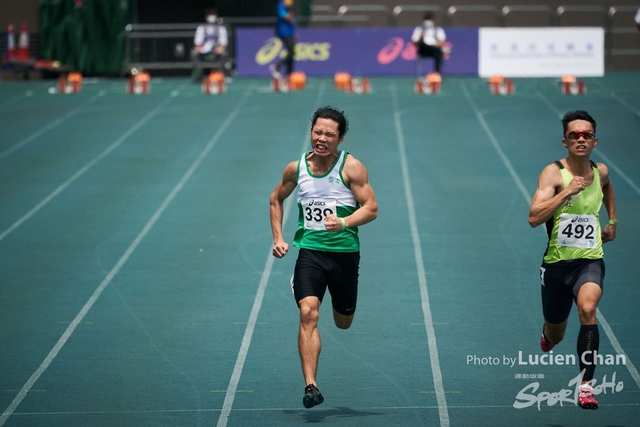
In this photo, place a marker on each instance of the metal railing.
(409, 8)
(483, 9)
(369, 9)
(615, 31)
(158, 46)
(543, 10)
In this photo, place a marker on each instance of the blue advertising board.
(366, 52)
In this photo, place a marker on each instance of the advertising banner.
(541, 52)
(366, 52)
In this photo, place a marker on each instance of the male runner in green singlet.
(568, 199)
(334, 198)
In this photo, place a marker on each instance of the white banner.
(541, 52)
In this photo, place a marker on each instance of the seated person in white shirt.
(429, 40)
(210, 43)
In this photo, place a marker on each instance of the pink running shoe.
(586, 399)
(545, 345)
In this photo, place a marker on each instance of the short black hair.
(211, 11)
(577, 115)
(331, 113)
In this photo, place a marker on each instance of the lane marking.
(292, 410)
(496, 145)
(85, 168)
(257, 304)
(433, 392)
(48, 127)
(615, 96)
(422, 277)
(123, 259)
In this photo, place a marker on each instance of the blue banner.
(360, 52)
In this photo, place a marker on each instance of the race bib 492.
(577, 231)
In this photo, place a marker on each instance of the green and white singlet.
(574, 229)
(319, 196)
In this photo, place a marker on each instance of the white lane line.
(354, 409)
(48, 127)
(422, 278)
(615, 167)
(605, 325)
(625, 103)
(85, 168)
(496, 144)
(123, 259)
(618, 348)
(257, 304)
(615, 96)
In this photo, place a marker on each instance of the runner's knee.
(308, 313)
(342, 321)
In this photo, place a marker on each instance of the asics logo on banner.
(578, 219)
(274, 48)
(397, 47)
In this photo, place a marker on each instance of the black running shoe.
(312, 396)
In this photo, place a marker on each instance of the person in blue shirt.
(286, 32)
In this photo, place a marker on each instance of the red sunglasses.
(577, 135)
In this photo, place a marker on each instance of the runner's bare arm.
(276, 208)
(609, 201)
(550, 194)
(356, 176)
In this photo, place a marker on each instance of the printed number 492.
(578, 231)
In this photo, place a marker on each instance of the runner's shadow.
(316, 416)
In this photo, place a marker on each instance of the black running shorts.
(561, 282)
(316, 271)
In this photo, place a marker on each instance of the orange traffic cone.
(23, 45)
(297, 80)
(214, 83)
(341, 80)
(11, 44)
(139, 83)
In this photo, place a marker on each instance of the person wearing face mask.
(286, 32)
(210, 43)
(428, 40)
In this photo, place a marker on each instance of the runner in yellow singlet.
(570, 194)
